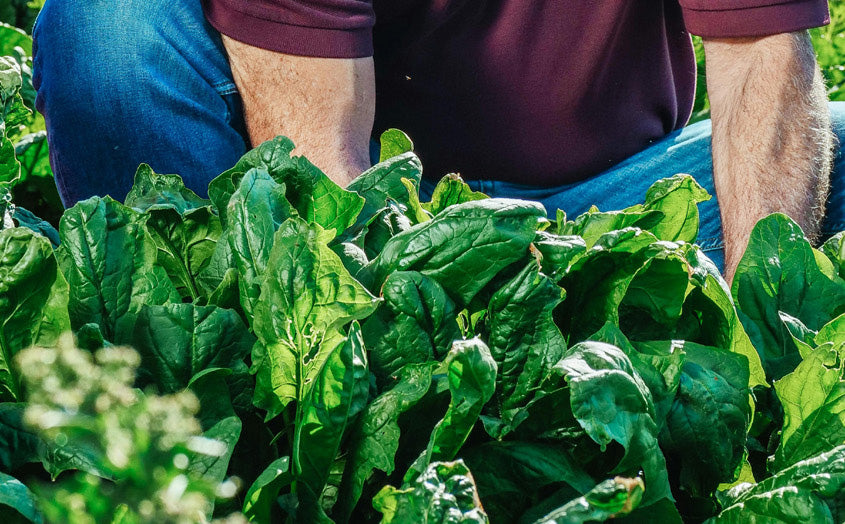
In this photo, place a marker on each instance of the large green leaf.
(109, 261)
(178, 341)
(511, 475)
(779, 273)
(18, 443)
(152, 190)
(313, 194)
(471, 372)
(813, 400)
(255, 211)
(610, 499)
(338, 395)
(612, 403)
(33, 301)
(415, 323)
(444, 493)
(462, 248)
(306, 297)
(677, 198)
(523, 338)
(795, 494)
(375, 440)
(13, 494)
(706, 428)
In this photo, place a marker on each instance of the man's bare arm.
(325, 105)
(772, 142)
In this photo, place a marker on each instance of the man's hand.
(772, 142)
(325, 105)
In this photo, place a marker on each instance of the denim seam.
(226, 87)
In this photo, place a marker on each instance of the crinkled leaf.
(27, 219)
(462, 248)
(612, 403)
(33, 301)
(795, 494)
(523, 338)
(151, 190)
(375, 439)
(559, 252)
(834, 249)
(313, 194)
(306, 297)
(338, 395)
(609, 500)
(415, 323)
(471, 372)
(178, 341)
(109, 261)
(813, 399)
(444, 493)
(779, 273)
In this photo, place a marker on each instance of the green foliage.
(341, 343)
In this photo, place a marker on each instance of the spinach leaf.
(313, 194)
(462, 248)
(780, 273)
(523, 338)
(14, 495)
(608, 500)
(306, 297)
(612, 403)
(375, 439)
(151, 190)
(451, 190)
(677, 198)
(109, 261)
(445, 492)
(471, 372)
(415, 323)
(33, 302)
(813, 399)
(256, 210)
(795, 494)
(178, 341)
(259, 500)
(338, 394)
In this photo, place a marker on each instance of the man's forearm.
(326, 106)
(772, 142)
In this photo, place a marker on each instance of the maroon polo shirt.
(541, 92)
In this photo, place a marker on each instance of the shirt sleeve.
(743, 18)
(318, 28)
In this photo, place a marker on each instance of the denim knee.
(122, 83)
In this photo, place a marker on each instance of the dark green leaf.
(154, 191)
(612, 403)
(375, 439)
(523, 338)
(795, 494)
(261, 497)
(177, 341)
(26, 219)
(110, 263)
(18, 444)
(415, 323)
(608, 500)
(33, 301)
(471, 372)
(462, 248)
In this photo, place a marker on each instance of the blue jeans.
(148, 81)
